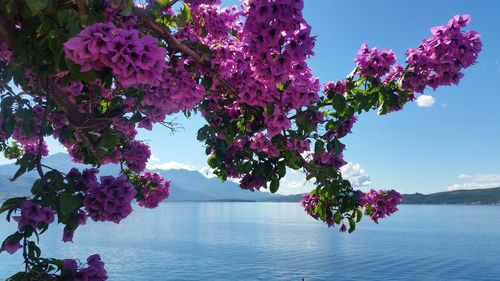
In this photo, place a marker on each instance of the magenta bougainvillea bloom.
(262, 144)
(374, 63)
(134, 60)
(381, 203)
(137, 155)
(10, 246)
(94, 271)
(310, 202)
(329, 158)
(202, 2)
(338, 87)
(33, 215)
(154, 190)
(438, 61)
(110, 199)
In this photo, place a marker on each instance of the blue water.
(277, 241)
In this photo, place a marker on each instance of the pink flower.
(136, 156)
(109, 200)
(10, 246)
(154, 190)
(379, 204)
(33, 215)
(374, 63)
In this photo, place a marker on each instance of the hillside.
(193, 186)
(185, 185)
(475, 196)
(466, 197)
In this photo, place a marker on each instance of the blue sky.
(451, 144)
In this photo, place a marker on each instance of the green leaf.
(352, 225)
(281, 169)
(213, 161)
(274, 186)
(33, 251)
(319, 146)
(68, 204)
(339, 103)
(245, 167)
(109, 140)
(12, 203)
(184, 16)
(37, 6)
(337, 217)
(359, 215)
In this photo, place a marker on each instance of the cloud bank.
(476, 181)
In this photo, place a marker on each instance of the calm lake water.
(277, 241)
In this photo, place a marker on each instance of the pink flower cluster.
(134, 60)
(178, 91)
(262, 144)
(194, 3)
(278, 41)
(94, 271)
(10, 246)
(276, 122)
(30, 142)
(136, 156)
(277, 34)
(251, 182)
(33, 215)
(343, 128)
(124, 126)
(33, 148)
(329, 159)
(214, 22)
(379, 204)
(438, 61)
(374, 63)
(298, 145)
(309, 202)
(110, 199)
(154, 190)
(339, 87)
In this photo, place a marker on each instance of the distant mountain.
(486, 196)
(185, 185)
(193, 186)
(285, 198)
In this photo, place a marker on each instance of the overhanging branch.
(175, 44)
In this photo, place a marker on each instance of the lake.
(278, 241)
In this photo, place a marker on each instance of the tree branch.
(173, 43)
(83, 9)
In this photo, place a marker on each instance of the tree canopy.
(89, 73)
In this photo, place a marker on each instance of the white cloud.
(355, 174)
(425, 101)
(154, 158)
(476, 181)
(171, 165)
(295, 182)
(289, 186)
(207, 172)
